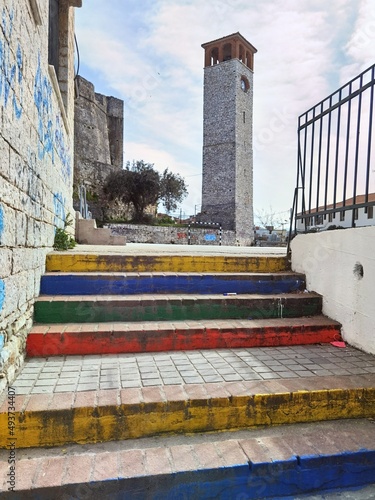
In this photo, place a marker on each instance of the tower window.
(227, 52)
(53, 35)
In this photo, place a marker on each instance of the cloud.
(150, 55)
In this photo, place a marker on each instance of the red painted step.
(115, 338)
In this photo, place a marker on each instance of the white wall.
(331, 262)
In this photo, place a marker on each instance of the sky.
(148, 53)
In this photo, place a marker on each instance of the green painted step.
(104, 308)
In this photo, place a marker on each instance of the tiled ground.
(85, 373)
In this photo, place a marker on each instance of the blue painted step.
(141, 283)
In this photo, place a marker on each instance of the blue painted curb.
(202, 284)
(278, 480)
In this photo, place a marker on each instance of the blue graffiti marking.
(11, 71)
(62, 150)
(50, 126)
(2, 294)
(59, 209)
(43, 102)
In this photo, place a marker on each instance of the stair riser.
(175, 263)
(175, 310)
(76, 285)
(110, 342)
(243, 481)
(91, 285)
(127, 421)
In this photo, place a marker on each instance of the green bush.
(63, 240)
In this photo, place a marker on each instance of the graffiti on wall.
(43, 102)
(50, 127)
(59, 209)
(11, 66)
(2, 294)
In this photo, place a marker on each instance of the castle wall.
(36, 161)
(99, 142)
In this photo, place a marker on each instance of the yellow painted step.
(108, 415)
(83, 262)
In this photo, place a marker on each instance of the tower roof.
(231, 38)
(233, 46)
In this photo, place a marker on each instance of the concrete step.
(109, 308)
(74, 261)
(113, 338)
(268, 463)
(89, 234)
(161, 283)
(62, 416)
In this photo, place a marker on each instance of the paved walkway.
(97, 372)
(159, 249)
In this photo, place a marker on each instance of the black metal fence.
(336, 171)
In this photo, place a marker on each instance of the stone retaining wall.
(170, 234)
(36, 163)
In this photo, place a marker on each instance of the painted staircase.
(119, 304)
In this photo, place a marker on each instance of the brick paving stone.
(208, 455)
(149, 376)
(232, 377)
(24, 390)
(323, 444)
(183, 458)
(212, 378)
(172, 381)
(4, 470)
(24, 383)
(79, 468)
(108, 385)
(277, 447)
(157, 461)
(131, 463)
(62, 401)
(231, 453)
(108, 397)
(51, 472)
(39, 402)
(192, 380)
(105, 467)
(175, 393)
(43, 390)
(254, 451)
(27, 471)
(85, 399)
(66, 381)
(153, 394)
(266, 376)
(322, 373)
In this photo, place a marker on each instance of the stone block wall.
(36, 161)
(175, 235)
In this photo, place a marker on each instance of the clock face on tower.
(244, 84)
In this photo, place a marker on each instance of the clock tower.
(227, 184)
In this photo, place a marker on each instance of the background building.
(227, 186)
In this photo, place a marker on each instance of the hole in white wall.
(358, 271)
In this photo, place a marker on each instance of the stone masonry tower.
(227, 190)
